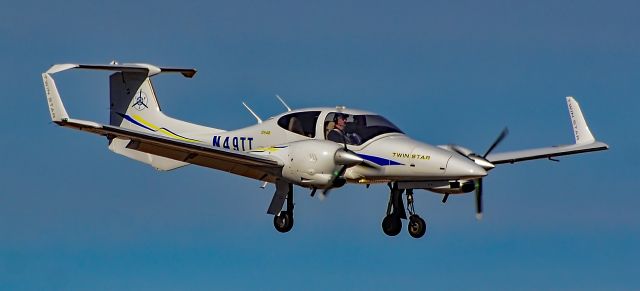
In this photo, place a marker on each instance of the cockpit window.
(356, 129)
(302, 123)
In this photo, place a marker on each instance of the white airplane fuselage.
(397, 156)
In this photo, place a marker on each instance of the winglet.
(56, 108)
(580, 128)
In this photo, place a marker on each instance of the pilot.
(338, 133)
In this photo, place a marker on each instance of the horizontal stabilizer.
(148, 69)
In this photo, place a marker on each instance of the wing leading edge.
(585, 142)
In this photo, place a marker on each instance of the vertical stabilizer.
(133, 100)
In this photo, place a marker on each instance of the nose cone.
(349, 159)
(461, 167)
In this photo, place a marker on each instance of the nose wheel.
(417, 226)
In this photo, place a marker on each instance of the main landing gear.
(282, 219)
(392, 222)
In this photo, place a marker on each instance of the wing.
(545, 153)
(585, 142)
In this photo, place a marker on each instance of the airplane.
(314, 148)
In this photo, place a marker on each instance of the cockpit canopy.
(352, 129)
(356, 129)
(303, 123)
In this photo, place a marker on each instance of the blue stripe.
(380, 161)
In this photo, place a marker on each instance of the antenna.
(252, 113)
(282, 101)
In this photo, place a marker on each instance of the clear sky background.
(74, 216)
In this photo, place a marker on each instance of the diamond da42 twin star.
(314, 148)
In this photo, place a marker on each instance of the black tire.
(283, 222)
(391, 225)
(417, 226)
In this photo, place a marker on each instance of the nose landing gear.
(417, 226)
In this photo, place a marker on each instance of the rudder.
(132, 94)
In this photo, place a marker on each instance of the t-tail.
(133, 105)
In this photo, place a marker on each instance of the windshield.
(356, 129)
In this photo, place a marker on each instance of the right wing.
(265, 168)
(585, 142)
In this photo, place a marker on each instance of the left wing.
(585, 142)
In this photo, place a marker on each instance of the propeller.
(503, 134)
(478, 183)
(483, 162)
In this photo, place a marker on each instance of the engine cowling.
(456, 187)
(313, 163)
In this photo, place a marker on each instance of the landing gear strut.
(392, 222)
(283, 221)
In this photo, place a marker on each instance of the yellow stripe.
(148, 124)
(162, 130)
(269, 149)
(175, 136)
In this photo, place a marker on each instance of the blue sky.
(75, 216)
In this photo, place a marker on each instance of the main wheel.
(391, 225)
(283, 222)
(417, 226)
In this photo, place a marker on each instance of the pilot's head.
(340, 116)
(340, 120)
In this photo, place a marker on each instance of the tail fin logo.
(141, 101)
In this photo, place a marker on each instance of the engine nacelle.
(310, 162)
(456, 187)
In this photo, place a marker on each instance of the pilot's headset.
(338, 115)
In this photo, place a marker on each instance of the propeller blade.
(502, 135)
(347, 159)
(336, 175)
(479, 198)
